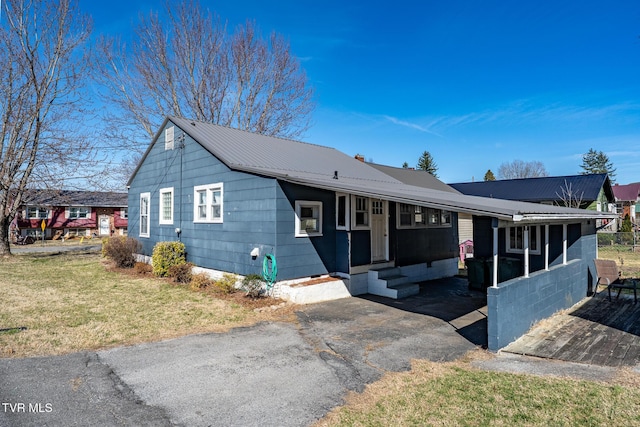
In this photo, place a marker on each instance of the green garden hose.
(269, 270)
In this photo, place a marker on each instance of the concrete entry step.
(390, 283)
(406, 290)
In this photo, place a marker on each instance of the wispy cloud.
(411, 125)
(534, 111)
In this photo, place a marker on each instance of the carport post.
(564, 244)
(546, 247)
(494, 225)
(526, 250)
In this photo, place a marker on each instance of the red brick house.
(69, 214)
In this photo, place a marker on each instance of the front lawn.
(72, 302)
(456, 394)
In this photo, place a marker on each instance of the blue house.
(232, 197)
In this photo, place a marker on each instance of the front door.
(378, 230)
(105, 228)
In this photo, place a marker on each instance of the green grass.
(628, 260)
(436, 394)
(72, 302)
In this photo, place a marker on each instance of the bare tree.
(570, 198)
(41, 74)
(188, 65)
(520, 169)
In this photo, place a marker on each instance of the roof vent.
(335, 174)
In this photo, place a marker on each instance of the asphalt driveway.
(271, 374)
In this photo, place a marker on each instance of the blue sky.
(475, 83)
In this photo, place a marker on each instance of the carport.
(555, 246)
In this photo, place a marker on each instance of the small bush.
(121, 250)
(200, 281)
(226, 285)
(165, 255)
(253, 285)
(142, 268)
(181, 273)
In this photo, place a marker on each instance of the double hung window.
(208, 203)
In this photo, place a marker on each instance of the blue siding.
(418, 245)
(257, 212)
(304, 256)
(248, 208)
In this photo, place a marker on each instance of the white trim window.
(168, 138)
(124, 213)
(438, 218)
(208, 203)
(360, 213)
(515, 240)
(145, 200)
(166, 206)
(342, 211)
(78, 212)
(410, 216)
(308, 218)
(34, 212)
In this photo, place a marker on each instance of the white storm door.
(105, 228)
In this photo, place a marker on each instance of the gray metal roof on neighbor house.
(419, 178)
(541, 189)
(75, 198)
(327, 168)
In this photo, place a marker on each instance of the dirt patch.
(316, 281)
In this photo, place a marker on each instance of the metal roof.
(75, 198)
(540, 189)
(419, 178)
(627, 193)
(327, 168)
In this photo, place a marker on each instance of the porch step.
(406, 290)
(390, 283)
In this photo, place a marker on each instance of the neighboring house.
(627, 199)
(69, 213)
(232, 197)
(591, 191)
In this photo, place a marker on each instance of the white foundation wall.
(438, 270)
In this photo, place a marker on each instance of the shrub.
(253, 285)
(181, 273)
(226, 285)
(142, 268)
(200, 281)
(121, 250)
(166, 254)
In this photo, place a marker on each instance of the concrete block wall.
(518, 304)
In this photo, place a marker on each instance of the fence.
(631, 239)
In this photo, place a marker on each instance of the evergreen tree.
(489, 176)
(597, 162)
(405, 165)
(426, 163)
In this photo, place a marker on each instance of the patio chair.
(609, 275)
